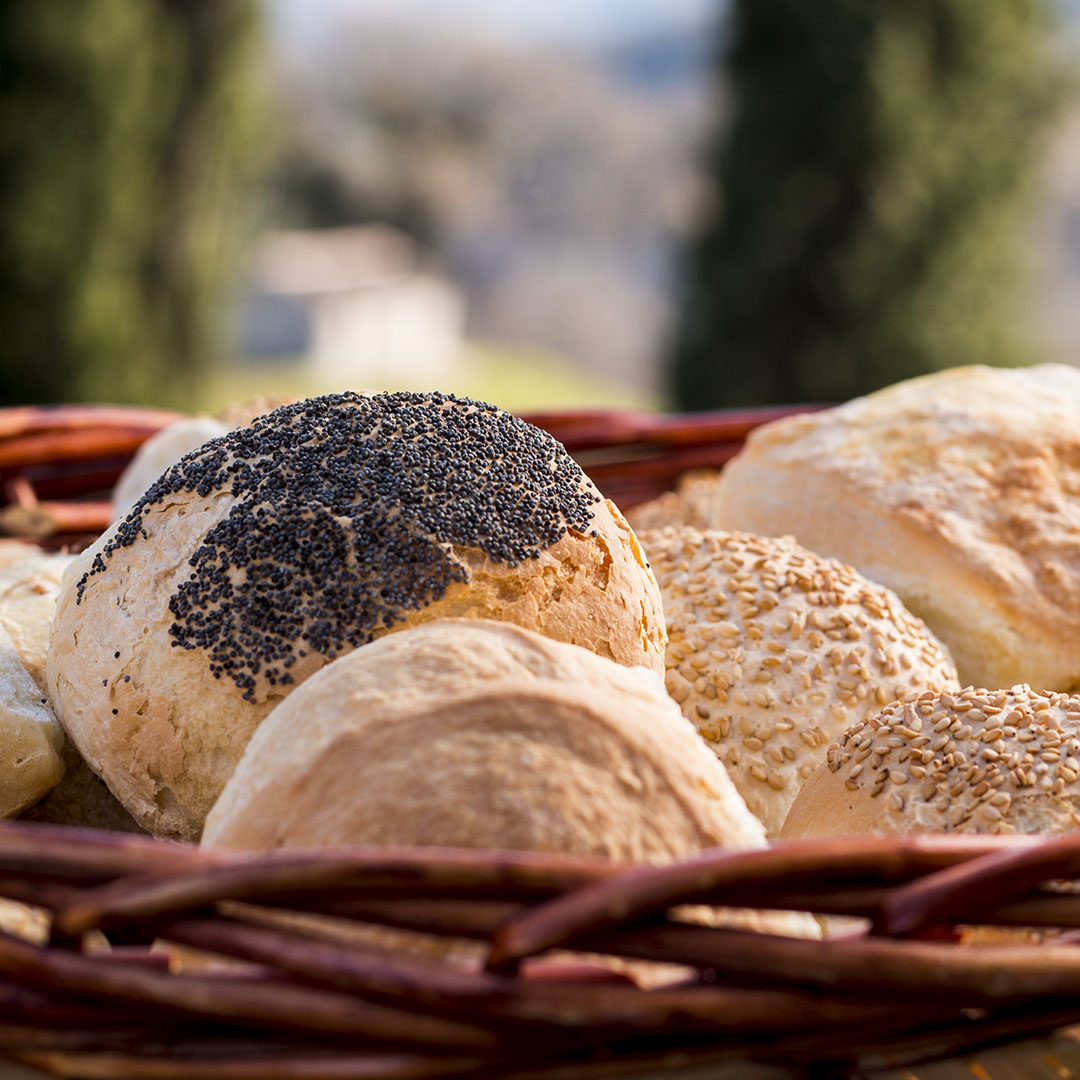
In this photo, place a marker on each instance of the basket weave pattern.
(297, 1005)
(898, 986)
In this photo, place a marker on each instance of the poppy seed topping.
(346, 510)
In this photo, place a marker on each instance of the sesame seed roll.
(269, 551)
(773, 651)
(998, 761)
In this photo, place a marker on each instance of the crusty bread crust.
(482, 734)
(960, 491)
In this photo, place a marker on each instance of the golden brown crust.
(1002, 761)
(534, 768)
(593, 591)
(960, 491)
(773, 651)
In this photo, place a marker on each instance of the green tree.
(868, 193)
(127, 137)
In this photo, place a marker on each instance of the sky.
(584, 22)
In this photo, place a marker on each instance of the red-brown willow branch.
(961, 893)
(255, 1065)
(717, 877)
(39, 419)
(875, 967)
(277, 1006)
(359, 871)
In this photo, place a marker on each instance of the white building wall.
(406, 331)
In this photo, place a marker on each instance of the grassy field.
(513, 379)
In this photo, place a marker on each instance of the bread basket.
(896, 994)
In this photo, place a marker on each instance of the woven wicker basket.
(895, 991)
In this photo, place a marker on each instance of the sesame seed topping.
(963, 776)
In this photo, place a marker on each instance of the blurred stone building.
(355, 305)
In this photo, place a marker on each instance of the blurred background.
(677, 204)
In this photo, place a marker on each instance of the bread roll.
(999, 761)
(482, 735)
(533, 744)
(30, 738)
(773, 651)
(28, 592)
(960, 491)
(324, 525)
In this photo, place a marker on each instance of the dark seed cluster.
(345, 507)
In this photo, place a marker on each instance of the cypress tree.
(127, 130)
(868, 194)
